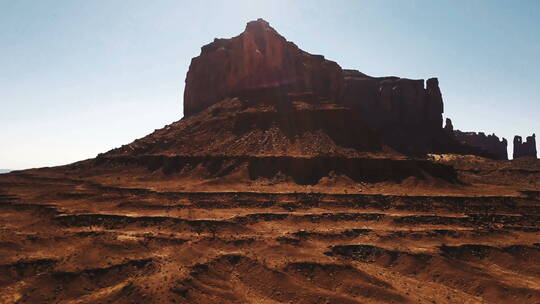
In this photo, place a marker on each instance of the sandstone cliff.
(392, 101)
(490, 145)
(406, 113)
(525, 148)
(258, 58)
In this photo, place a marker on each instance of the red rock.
(486, 145)
(448, 126)
(260, 58)
(257, 58)
(525, 148)
(260, 65)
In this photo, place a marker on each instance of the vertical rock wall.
(256, 59)
(525, 148)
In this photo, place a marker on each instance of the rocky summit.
(259, 58)
(288, 180)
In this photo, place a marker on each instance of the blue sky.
(81, 77)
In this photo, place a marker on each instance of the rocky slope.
(274, 140)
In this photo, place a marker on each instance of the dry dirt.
(71, 239)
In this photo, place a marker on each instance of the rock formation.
(448, 126)
(490, 145)
(258, 106)
(257, 58)
(394, 102)
(525, 148)
(407, 113)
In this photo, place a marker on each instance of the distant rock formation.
(489, 144)
(525, 148)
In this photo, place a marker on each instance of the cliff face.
(394, 102)
(490, 143)
(407, 113)
(256, 59)
(525, 148)
(487, 145)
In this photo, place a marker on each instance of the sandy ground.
(70, 240)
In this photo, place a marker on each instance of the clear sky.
(81, 77)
